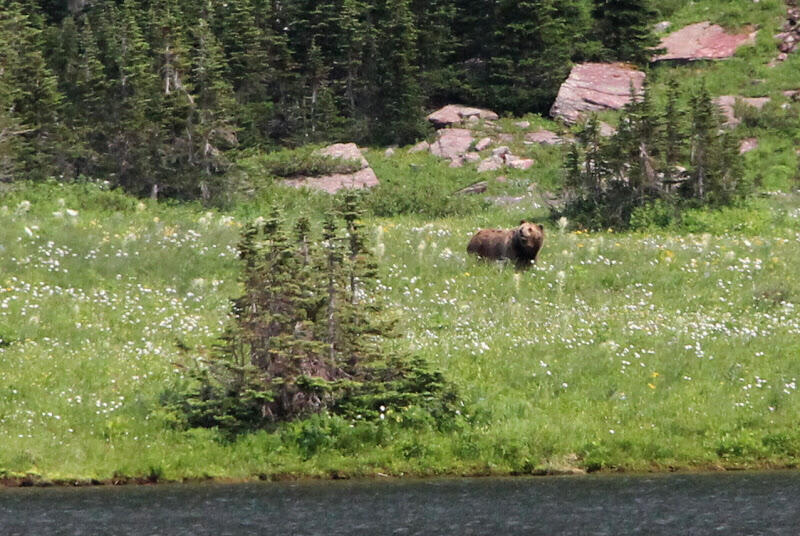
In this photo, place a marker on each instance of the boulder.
(519, 163)
(363, 178)
(421, 146)
(483, 143)
(501, 151)
(523, 124)
(607, 130)
(703, 41)
(345, 151)
(726, 104)
(472, 157)
(456, 113)
(493, 163)
(593, 87)
(661, 27)
(452, 142)
(544, 137)
(477, 188)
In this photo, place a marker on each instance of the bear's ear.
(522, 222)
(540, 226)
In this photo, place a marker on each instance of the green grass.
(636, 351)
(641, 351)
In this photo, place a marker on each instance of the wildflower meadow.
(635, 351)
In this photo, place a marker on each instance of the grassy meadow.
(636, 351)
(657, 349)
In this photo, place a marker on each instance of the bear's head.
(529, 235)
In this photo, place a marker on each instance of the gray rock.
(472, 189)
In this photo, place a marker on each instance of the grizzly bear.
(520, 245)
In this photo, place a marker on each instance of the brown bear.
(520, 245)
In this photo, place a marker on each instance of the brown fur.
(520, 245)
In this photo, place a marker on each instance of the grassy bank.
(618, 351)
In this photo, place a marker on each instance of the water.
(727, 504)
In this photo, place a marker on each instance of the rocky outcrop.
(453, 114)
(702, 41)
(789, 38)
(727, 104)
(593, 87)
(363, 178)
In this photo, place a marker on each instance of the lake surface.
(727, 504)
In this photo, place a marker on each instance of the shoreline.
(36, 481)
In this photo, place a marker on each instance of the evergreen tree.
(308, 336)
(626, 29)
(398, 98)
(210, 128)
(673, 131)
(33, 102)
(531, 52)
(704, 126)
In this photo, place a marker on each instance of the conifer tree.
(673, 130)
(211, 126)
(704, 126)
(308, 335)
(626, 29)
(398, 98)
(34, 101)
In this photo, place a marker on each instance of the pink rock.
(520, 163)
(346, 151)
(726, 103)
(483, 143)
(492, 163)
(472, 157)
(455, 113)
(747, 145)
(421, 146)
(452, 142)
(501, 151)
(607, 130)
(703, 41)
(594, 87)
(545, 137)
(364, 178)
